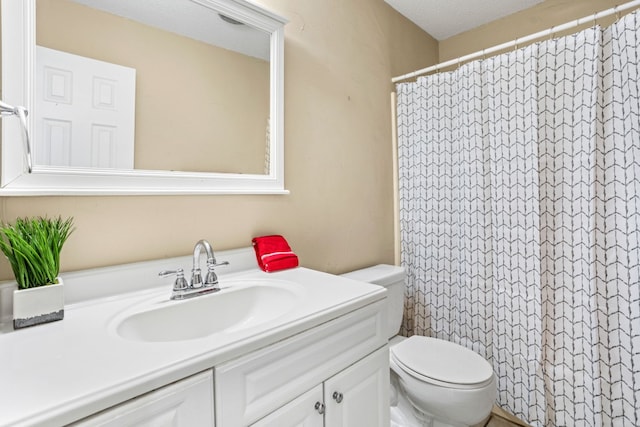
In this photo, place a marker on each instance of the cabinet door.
(305, 411)
(359, 395)
(188, 402)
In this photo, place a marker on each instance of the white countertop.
(60, 372)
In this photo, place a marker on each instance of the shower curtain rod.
(520, 40)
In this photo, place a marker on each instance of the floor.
(501, 418)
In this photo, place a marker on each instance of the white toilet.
(434, 383)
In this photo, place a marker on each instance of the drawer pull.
(320, 407)
(337, 396)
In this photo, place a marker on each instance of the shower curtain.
(519, 180)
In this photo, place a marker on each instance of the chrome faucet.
(183, 289)
(211, 279)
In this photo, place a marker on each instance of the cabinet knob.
(320, 407)
(337, 396)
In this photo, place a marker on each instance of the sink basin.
(237, 306)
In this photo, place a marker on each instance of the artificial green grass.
(33, 246)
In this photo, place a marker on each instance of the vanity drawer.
(188, 402)
(252, 386)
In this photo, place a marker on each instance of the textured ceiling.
(445, 18)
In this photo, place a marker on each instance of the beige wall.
(339, 59)
(538, 18)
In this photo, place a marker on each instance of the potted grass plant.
(33, 246)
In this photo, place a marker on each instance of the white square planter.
(39, 305)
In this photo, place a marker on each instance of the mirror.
(194, 89)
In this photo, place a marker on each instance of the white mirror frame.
(18, 79)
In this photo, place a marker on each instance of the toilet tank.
(392, 278)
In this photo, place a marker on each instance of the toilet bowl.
(434, 383)
(443, 381)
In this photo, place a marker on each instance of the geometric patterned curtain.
(519, 181)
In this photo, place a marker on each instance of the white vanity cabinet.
(281, 385)
(357, 396)
(294, 339)
(188, 402)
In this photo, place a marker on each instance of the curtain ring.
(551, 33)
(484, 53)
(515, 46)
(595, 19)
(617, 12)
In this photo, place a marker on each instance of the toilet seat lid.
(442, 361)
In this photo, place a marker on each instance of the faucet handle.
(218, 264)
(180, 283)
(211, 277)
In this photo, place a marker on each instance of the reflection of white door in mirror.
(84, 112)
(164, 113)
